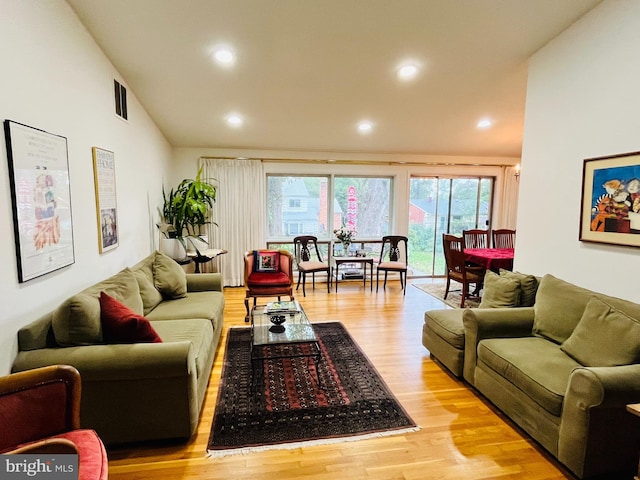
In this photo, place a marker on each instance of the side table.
(337, 261)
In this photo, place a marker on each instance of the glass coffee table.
(280, 335)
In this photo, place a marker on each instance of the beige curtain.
(238, 213)
(509, 201)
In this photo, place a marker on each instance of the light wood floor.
(461, 436)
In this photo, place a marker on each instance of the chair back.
(38, 403)
(453, 253)
(476, 238)
(305, 247)
(504, 238)
(395, 248)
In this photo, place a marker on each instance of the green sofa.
(563, 370)
(136, 391)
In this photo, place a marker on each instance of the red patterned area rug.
(287, 408)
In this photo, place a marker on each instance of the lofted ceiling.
(307, 71)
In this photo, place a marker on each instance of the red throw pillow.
(122, 325)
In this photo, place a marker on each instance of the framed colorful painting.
(41, 197)
(104, 176)
(610, 211)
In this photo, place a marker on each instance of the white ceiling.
(308, 70)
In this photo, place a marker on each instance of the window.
(121, 99)
(300, 205)
(443, 205)
(362, 203)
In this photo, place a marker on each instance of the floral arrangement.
(344, 234)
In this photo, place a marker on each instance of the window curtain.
(238, 213)
(509, 200)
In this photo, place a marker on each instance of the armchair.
(40, 414)
(267, 273)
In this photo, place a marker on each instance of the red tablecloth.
(490, 258)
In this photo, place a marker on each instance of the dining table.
(490, 258)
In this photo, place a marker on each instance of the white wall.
(583, 101)
(55, 78)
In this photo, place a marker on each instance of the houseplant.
(186, 209)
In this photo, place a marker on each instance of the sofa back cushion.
(604, 337)
(149, 294)
(528, 286)
(77, 320)
(500, 291)
(169, 277)
(558, 309)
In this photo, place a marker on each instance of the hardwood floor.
(461, 436)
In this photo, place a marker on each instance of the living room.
(580, 99)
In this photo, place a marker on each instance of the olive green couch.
(564, 371)
(136, 391)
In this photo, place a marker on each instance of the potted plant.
(185, 211)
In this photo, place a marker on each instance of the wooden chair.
(393, 258)
(457, 268)
(504, 238)
(41, 415)
(475, 238)
(309, 260)
(267, 273)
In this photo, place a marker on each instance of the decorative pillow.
(558, 309)
(499, 291)
(266, 261)
(528, 286)
(77, 321)
(604, 337)
(150, 295)
(122, 325)
(169, 277)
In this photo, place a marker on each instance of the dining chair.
(457, 268)
(504, 238)
(475, 238)
(393, 258)
(309, 260)
(267, 273)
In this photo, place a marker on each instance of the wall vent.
(121, 99)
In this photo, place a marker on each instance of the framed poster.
(610, 211)
(104, 175)
(41, 198)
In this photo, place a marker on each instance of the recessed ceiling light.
(484, 123)
(234, 120)
(224, 56)
(407, 71)
(365, 126)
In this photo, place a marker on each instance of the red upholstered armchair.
(267, 273)
(40, 414)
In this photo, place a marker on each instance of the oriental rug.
(288, 408)
(453, 299)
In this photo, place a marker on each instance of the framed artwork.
(610, 210)
(104, 176)
(41, 200)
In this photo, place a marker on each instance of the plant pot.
(173, 248)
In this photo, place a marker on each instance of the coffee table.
(294, 338)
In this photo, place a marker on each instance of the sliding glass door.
(440, 205)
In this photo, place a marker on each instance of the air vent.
(121, 99)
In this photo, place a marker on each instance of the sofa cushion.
(269, 279)
(534, 365)
(122, 325)
(500, 291)
(604, 337)
(528, 286)
(447, 324)
(195, 330)
(169, 277)
(207, 305)
(122, 286)
(77, 321)
(558, 308)
(149, 294)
